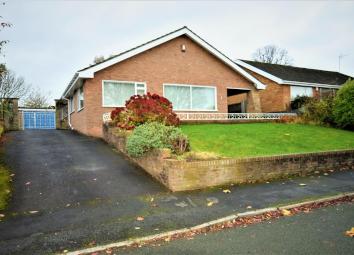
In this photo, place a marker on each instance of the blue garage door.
(39, 119)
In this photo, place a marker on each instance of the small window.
(81, 99)
(115, 93)
(300, 91)
(71, 105)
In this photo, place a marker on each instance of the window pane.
(179, 96)
(203, 98)
(140, 91)
(115, 94)
(140, 85)
(300, 91)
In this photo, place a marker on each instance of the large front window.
(300, 91)
(191, 97)
(115, 93)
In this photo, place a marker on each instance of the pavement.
(319, 232)
(71, 191)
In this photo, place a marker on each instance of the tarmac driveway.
(71, 191)
(65, 174)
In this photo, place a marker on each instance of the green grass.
(261, 139)
(4, 186)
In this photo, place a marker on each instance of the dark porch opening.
(237, 100)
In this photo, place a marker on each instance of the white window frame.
(191, 97)
(116, 81)
(304, 87)
(79, 108)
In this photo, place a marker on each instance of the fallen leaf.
(249, 207)
(95, 179)
(286, 212)
(65, 251)
(33, 212)
(67, 205)
(12, 175)
(152, 199)
(325, 174)
(137, 228)
(139, 218)
(211, 203)
(350, 233)
(2, 215)
(331, 171)
(226, 191)
(302, 184)
(28, 183)
(168, 239)
(109, 251)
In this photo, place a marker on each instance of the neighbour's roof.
(300, 74)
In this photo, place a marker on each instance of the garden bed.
(183, 174)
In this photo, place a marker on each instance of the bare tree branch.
(12, 85)
(36, 99)
(272, 54)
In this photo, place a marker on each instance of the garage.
(38, 118)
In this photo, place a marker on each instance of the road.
(318, 232)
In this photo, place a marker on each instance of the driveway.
(73, 191)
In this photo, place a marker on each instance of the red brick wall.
(163, 64)
(275, 98)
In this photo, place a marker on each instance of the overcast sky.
(50, 40)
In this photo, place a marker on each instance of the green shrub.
(299, 102)
(318, 111)
(155, 135)
(343, 108)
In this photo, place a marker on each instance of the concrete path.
(318, 232)
(72, 191)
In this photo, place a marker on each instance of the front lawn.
(258, 139)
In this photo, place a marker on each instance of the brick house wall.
(165, 63)
(276, 97)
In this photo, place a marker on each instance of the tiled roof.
(300, 74)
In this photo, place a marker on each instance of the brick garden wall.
(181, 175)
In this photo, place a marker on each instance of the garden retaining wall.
(181, 175)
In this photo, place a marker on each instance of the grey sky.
(50, 40)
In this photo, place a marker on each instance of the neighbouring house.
(61, 114)
(284, 83)
(191, 73)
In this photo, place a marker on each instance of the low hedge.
(155, 135)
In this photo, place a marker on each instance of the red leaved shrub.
(146, 108)
(116, 112)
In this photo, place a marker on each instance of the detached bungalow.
(184, 68)
(285, 83)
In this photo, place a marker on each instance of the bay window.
(115, 93)
(191, 97)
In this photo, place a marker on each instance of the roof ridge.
(290, 66)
